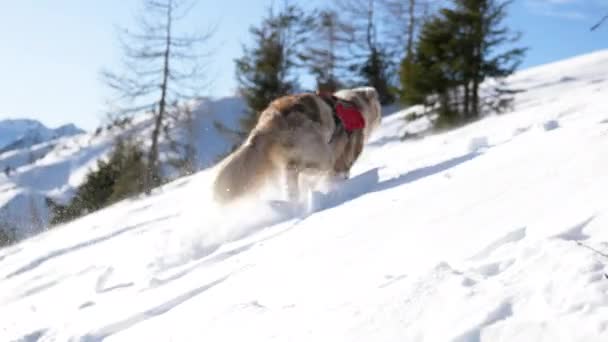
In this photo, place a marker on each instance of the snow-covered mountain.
(55, 168)
(491, 232)
(24, 133)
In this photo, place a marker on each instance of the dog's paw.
(341, 176)
(288, 208)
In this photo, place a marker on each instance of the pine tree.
(433, 71)
(266, 71)
(457, 51)
(130, 163)
(117, 178)
(7, 235)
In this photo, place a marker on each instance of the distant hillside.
(52, 163)
(24, 133)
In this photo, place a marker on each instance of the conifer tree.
(7, 235)
(458, 50)
(266, 70)
(117, 178)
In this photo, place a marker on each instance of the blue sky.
(51, 52)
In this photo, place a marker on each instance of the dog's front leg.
(293, 184)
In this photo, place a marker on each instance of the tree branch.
(592, 249)
(596, 26)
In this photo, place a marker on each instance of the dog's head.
(367, 99)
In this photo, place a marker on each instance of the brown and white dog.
(298, 137)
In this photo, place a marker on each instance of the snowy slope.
(484, 233)
(55, 168)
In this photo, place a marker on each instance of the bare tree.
(402, 21)
(370, 59)
(324, 53)
(161, 69)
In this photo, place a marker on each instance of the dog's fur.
(296, 136)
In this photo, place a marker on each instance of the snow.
(478, 143)
(491, 232)
(550, 125)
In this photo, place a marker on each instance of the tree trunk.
(332, 55)
(475, 97)
(153, 156)
(370, 26)
(476, 82)
(411, 29)
(467, 100)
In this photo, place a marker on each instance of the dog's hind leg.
(312, 186)
(349, 155)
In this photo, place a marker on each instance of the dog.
(300, 138)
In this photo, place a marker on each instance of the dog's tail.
(244, 170)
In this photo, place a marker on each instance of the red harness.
(347, 112)
(350, 115)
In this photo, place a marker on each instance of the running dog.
(302, 138)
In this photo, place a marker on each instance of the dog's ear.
(372, 94)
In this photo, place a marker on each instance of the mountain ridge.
(24, 133)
